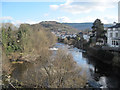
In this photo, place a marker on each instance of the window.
(116, 34)
(117, 43)
(112, 42)
(111, 34)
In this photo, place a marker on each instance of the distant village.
(64, 34)
(112, 34)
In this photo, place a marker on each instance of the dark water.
(98, 73)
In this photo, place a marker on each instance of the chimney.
(119, 12)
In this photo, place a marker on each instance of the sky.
(68, 11)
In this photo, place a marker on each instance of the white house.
(113, 36)
(86, 37)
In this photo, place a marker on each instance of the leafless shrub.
(63, 72)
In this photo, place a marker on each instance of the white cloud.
(54, 7)
(81, 20)
(86, 6)
(109, 18)
(63, 19)
(106, 20)
(7, 18)
(16, 22)
(74, 7)
(31, 21)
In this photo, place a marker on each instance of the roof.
(115, 26)
(80, 32)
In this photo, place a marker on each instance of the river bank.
(98, 73)
(108, 57)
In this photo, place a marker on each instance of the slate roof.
(115, 26)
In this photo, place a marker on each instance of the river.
(98, 73)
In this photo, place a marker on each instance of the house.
(81, 34)
(86, 37)
(113, 36)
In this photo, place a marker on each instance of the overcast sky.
(71, 11)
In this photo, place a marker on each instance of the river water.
(98, 73)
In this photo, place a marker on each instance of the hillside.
(69, 27)
(83, 26)
(55, 26)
